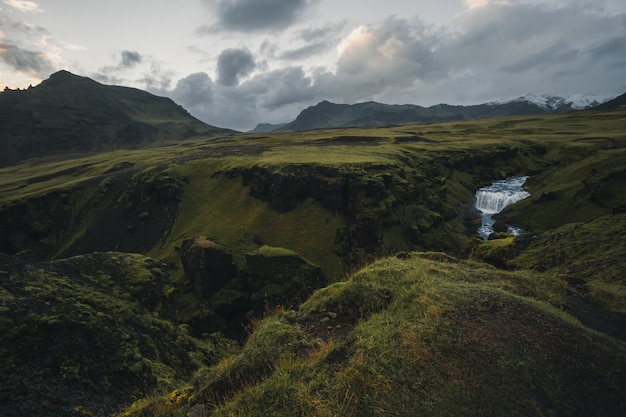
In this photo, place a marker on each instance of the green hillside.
(343, 264)
(68, 114)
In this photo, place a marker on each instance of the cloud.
(214, 103)
(25, 61)
(157, 80)
(233, 64)
(112, 74)
(377, 60)
(305, 52)
(136, 69)
(324, 32)
(558, 54)
(23, 5)
(498, 50)
(547, 48)
(21, 31)
(289, 86)
(130, 59)
(30, 51)
(472, 4)
(318, 41)
(194, 91)
(256, 15)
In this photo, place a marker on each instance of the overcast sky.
(234, 63)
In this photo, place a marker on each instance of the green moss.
(590, 254)
(426, 350)
(348, 298)
(79, 326)
(274, 252)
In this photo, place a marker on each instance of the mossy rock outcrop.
(279, 276)
(207, 264)
(88, 335)
(272, 277)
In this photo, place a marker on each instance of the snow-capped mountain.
(574, 102)
(327, 115)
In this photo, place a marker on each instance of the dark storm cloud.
(233, 64)
(194, 91)
(289, 86)
(214, 103)
(25, 61)
(130, 59)
(255, 15)
(113, 74)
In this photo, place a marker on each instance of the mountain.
(71, 114)
(266, 127)
(327, 115)
(611, 105)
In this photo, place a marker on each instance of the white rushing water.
(494, 198)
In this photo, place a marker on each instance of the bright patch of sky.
(235, 63)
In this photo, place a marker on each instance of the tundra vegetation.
(351, 280)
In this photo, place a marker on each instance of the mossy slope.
(461, 334)
(88, 335)
(591, 255)
(435, 337)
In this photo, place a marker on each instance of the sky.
(236, 63)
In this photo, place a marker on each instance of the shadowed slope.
(72, 114)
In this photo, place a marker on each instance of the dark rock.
(546, 197)
(498, 235)
(229, 302)
(207, 264)
(278, 276)
(500, 226)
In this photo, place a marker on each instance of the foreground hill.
(83, 335)
(329, 236)
(327, 115)
(71, 114)
(422, 335)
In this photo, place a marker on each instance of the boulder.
(279, 276)
(207, 264)
(500, 226)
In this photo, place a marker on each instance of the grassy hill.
(399, 329)
(68, 114)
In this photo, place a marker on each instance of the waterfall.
(494, 198)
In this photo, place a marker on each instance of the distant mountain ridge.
(611, 105)
(327, 115)
(71, 114)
